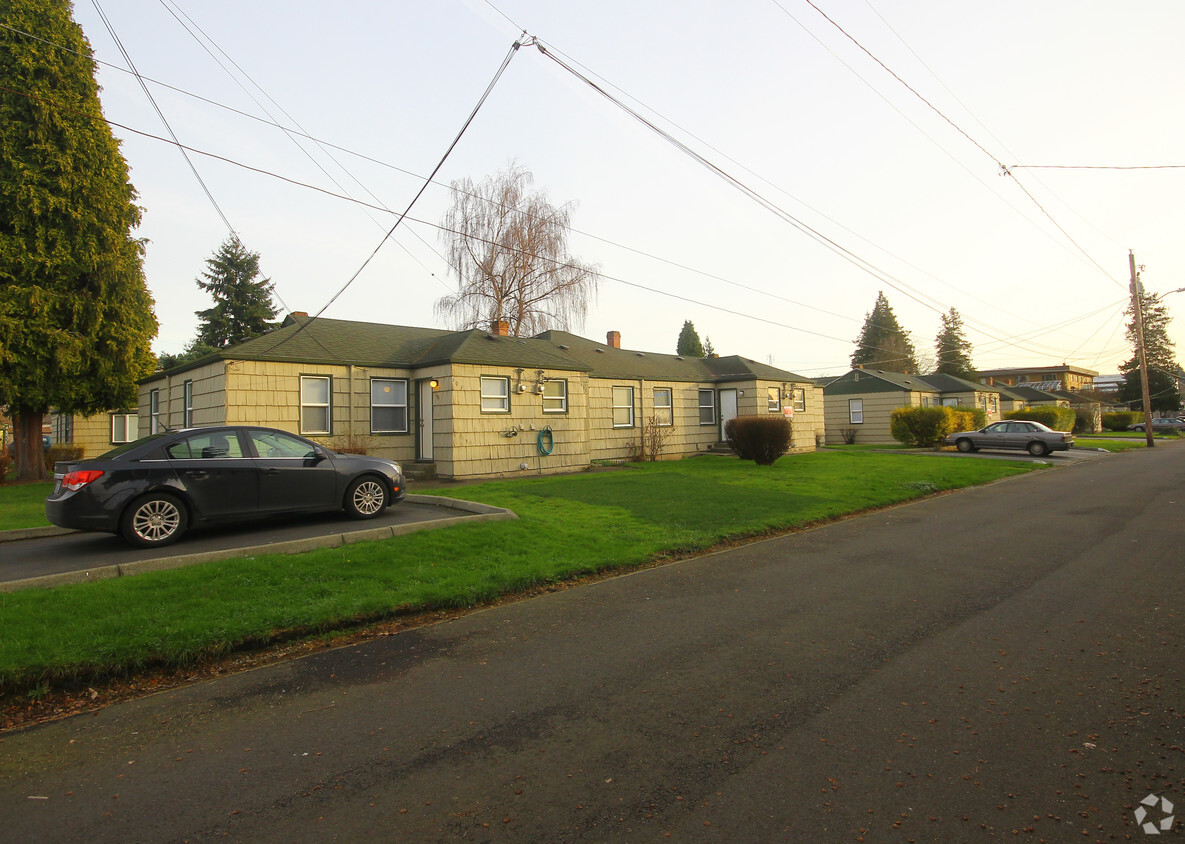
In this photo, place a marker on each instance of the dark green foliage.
(1161, 356)
(689, 344)
(1057, 418)
(925, 427)
(1162, 390)
(242, 300)
(1083, 420)
(1121, 421)
(882, 343)
(762, 439)
(953, 348)
(194, 351)
(76, 317)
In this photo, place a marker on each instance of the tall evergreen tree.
(76, 319)
(953, 348)
(689, 344)
(1161, 355)
(242, 300)
(882, 343)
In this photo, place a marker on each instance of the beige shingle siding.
(263, 387)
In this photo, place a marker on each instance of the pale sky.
(767, 90)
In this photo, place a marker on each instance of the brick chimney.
(300, 313)
(613, 339)
(500, 327)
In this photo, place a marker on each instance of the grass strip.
(23, 505)
(568, 526)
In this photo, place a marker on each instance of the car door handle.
(200, 474)
(271, 471)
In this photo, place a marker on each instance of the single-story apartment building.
(862, 401)
(475, 403)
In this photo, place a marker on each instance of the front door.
(728, 409)
(424, 412)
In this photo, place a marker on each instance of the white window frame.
(134, 419)
(710, 406)
(669, 407)
(773, 399)
(856, 411)
(798, 399)
(495, 402)
(327, 404)
(388, 405)
(188, 394)
(620, 394)
(154, 426)
(553, 403)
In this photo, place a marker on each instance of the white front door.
(728, 409)
(425, 424)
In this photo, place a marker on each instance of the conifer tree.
(242, 300)
(882, 343)
(1159, 350)
(76, 319)
(689, 344)
(953, 348)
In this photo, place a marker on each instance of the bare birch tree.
(507, 246)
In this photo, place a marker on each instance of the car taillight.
(79, 478)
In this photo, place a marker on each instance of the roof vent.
(640, 354)
(599, 350)
(678, 357)
(565, 348)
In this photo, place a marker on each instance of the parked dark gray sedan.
(1033, 437)
(154, 489)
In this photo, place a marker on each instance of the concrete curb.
(476, 513)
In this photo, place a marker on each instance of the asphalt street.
(998, 663)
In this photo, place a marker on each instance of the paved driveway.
(999, 663)
(74, 557)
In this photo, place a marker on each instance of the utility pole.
(1138, 310)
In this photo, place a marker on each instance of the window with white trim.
(856, 411)
(188, 393)
(495, 394)
(663, 406)
(154, 423)
(773, 399)
(315, 393)
(623, 407)
(555, 396)
(124, 427)
(799, 399)
(707, 407)
(388, 406)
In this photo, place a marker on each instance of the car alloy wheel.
(1037, 449)
(154, 520)
(366, 498)
(965, 445)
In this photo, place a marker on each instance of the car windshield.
(126, 447)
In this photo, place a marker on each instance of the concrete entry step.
(420, 471)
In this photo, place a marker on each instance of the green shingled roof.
(604, 361)
(302, 339)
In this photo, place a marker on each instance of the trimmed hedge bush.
(1121, 421)
(67, 452)
(762, 439)
(926, 427)
(1052, 416)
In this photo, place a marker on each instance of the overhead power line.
(1003, 167)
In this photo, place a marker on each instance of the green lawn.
(23, 505)
(1104, 442)
(568, 526)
